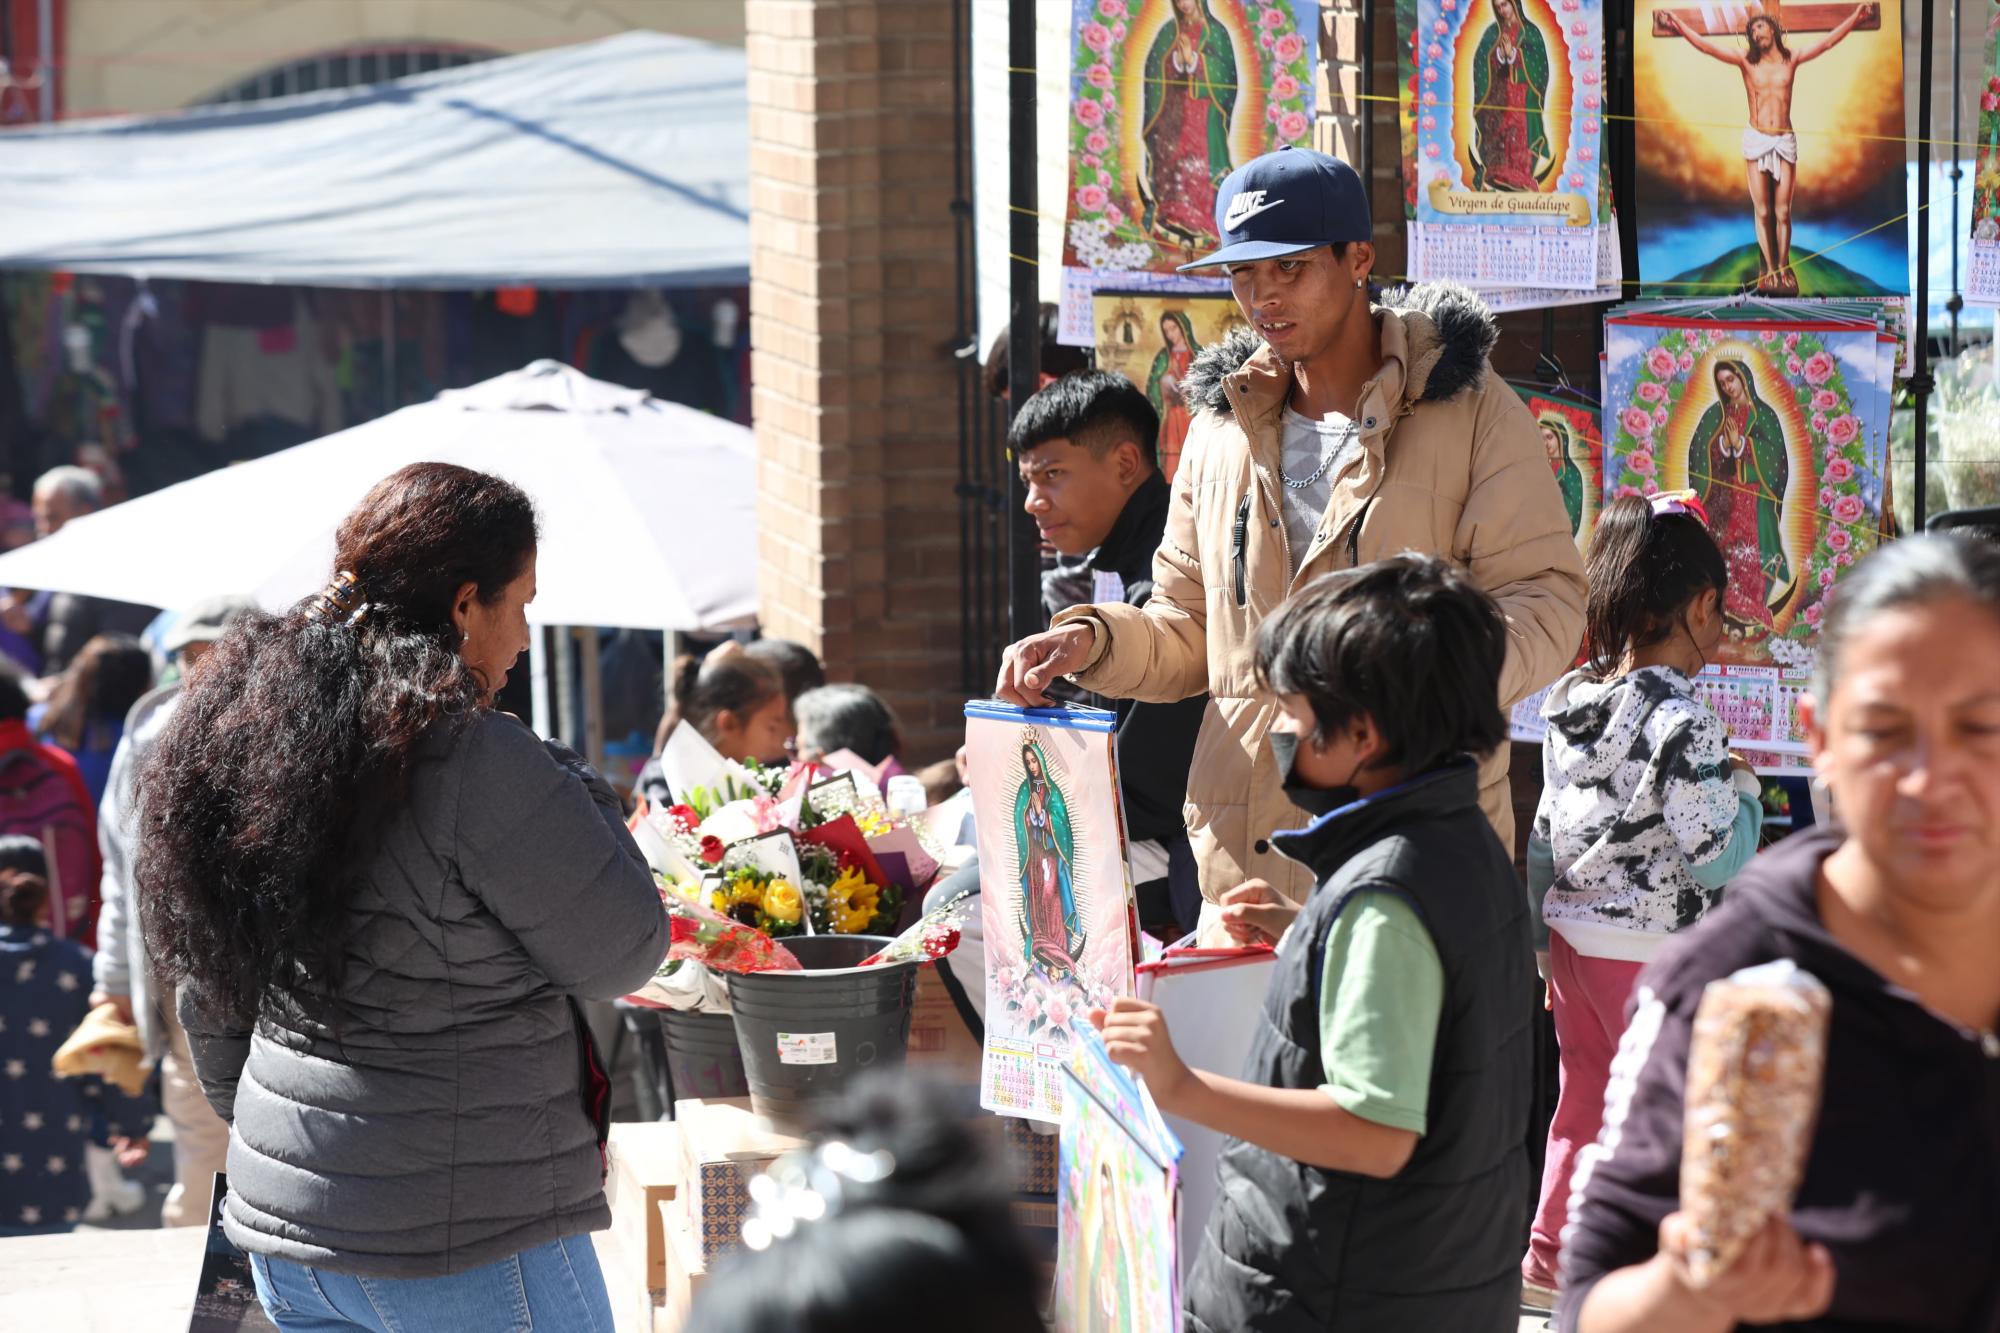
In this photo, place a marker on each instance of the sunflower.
(854, 902)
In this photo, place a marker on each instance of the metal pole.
(965, 292)
(1622, 20)
(1024, 334)
(670, 651)
(566, 723)
(1921, 382)
(593, 697)
(390, 402)
(538, 681)
(1365, 120)
(1957, 302)
(45, 32)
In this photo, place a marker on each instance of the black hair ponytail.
(1644, 570)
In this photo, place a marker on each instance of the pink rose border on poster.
(1102, 232)
(1847, 525)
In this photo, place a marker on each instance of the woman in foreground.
(381, 898)
(1897, 910)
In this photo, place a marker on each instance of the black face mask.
(1315, 801)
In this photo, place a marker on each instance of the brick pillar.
(852, 280)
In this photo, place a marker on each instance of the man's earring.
(1359, 283)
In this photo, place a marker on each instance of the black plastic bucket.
(804, 1034)
(703, 1059)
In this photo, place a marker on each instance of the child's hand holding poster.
(1058, 914)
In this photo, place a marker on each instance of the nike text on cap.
(1286, 202)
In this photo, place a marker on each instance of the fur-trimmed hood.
(1448, 332)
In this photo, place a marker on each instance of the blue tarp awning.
(620, 162)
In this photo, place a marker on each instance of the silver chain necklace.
(1325, 462)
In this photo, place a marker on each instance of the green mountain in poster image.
(1820, 275)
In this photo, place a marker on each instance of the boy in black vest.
(1377, 1175)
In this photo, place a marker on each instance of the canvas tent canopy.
(616, 163)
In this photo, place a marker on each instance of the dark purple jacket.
(1903, 1180)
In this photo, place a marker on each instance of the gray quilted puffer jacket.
(441, 1114)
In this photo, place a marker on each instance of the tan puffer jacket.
(1451, 464)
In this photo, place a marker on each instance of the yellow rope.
(1404, 98)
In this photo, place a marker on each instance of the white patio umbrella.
(648, 509)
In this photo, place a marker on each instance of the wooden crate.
(648, 1167)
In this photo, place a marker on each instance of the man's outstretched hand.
(1029, 667)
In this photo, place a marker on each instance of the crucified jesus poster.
(1769, 146)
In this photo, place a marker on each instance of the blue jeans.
(553, 1288)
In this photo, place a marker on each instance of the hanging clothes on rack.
(264, 359)
(648, 349)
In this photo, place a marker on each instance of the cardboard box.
(685, 1272)
(647, 1166)
(1035, 1215)
(726, 1145)
(940, 1042)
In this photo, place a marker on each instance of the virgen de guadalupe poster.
(1575, 449)
(1982, 282)
(1779, 427)
(1153, 340)
(1167, 97)
(1569, 432)
(1770, 149)
(1054, 898)
(1508, 141)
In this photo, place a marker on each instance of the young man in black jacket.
(1085, 447)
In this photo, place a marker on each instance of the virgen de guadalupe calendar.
(1054, 896)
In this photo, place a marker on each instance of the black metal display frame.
(980, 487)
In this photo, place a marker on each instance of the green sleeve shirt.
(1381, 992)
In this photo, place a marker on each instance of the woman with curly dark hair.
(380, 898)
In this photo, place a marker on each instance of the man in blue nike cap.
(1330, 433)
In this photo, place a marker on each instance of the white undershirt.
(1307, 443)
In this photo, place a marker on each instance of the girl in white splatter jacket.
(1644, 814)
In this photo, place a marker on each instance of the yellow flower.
(854, 902)
(746, 891)
(783, 903)
(685, 888)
